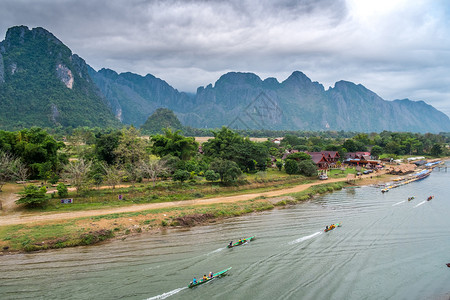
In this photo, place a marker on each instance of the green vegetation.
(33, 93)
(162, 118)
(33, 196)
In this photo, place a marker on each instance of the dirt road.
(14, 219)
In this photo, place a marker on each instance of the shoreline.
(101, 226)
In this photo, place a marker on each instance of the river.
(386, 248)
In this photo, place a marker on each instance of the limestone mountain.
(133, 98)
(43, 84)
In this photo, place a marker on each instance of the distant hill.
(43, 84)
(161, 119)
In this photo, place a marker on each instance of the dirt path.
(23, 218)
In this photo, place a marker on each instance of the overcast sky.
(398, 49)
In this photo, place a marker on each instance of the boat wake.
(399, 203)
(305, 238)
(420, 203)
(215, 251)
(168, 294)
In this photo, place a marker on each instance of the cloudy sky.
(398, 49)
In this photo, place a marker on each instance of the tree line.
(91, 157)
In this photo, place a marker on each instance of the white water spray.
(420, 203)
(168, 294)
(305, 238)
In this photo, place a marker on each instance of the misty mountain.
(43, 84)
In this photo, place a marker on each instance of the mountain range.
(43, 84)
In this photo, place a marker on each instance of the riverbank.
(59, 230)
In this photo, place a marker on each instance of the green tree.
(307, 168)
(229, 145)
(436, 150)
(33, 196)
(291, 166)
(279, 165)
(131, 147)
(299, 156)
(181, 175)
(106, 145)
(62, 190)
(376, 151)
(173, 143)
(210, 175)
(228, 170)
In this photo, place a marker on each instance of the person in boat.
(240, 241)
(205, 278)
(230, 244)
(326, 228)
(332, 226)
(194, 281)
(211, 275)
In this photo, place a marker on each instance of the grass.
(169, 192)
(91, 230)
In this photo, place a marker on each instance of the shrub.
(33, 196)
(291, 166)
(62, 190)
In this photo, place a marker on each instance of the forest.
(88, 157)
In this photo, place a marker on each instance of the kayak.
(331, 228)
(429, 198)
(243, 241)
(202, 281)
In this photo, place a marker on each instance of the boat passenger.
(326, 228)
(194, 281)
(205, 278)
(211, 274)
(230, 244)
(240, 241)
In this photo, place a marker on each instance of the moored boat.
(241, 242)
(202, 281)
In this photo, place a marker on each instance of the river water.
(387, 248)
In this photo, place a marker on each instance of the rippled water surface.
(387, 248)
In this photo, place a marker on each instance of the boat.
(241, 242)
(411, 198)
(429, 198)
(333, 226)
(202, 281)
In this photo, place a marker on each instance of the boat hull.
(244, 241)
(201, 281)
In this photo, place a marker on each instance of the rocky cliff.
(43, 84)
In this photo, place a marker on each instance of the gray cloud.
(398, 49)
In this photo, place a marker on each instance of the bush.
(291, 166)
(181, 175)
(210, 175)
(62, 190)
(33, 196)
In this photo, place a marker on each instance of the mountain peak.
(238, 78)
(300, 80)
